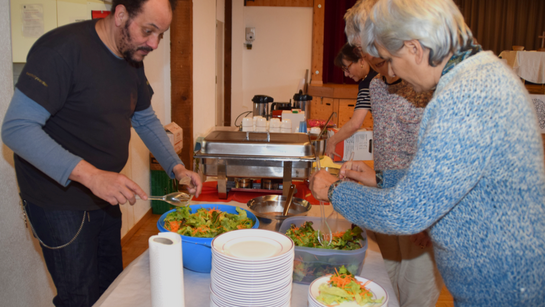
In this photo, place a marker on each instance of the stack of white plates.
(377, 290)
(251, 267)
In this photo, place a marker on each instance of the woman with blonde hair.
(477, 181)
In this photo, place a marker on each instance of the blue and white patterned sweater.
(477, 182)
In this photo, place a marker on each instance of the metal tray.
(240, 143)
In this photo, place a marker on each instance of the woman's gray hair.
(355, 18)
(437, 24)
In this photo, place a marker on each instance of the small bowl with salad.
(199, 224)
(312, 260)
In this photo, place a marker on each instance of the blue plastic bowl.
(197, 254)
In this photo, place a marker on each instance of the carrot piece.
(174, 226)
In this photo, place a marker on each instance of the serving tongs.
(333, 218)
(323, 238)
(325, 126)
(289, 200)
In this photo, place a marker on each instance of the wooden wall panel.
(321, 108)
(317, 43)
(293, 3)
(346, 110)
(181, 74)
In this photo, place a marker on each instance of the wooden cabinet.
(339, 98)
(322, 107)
(346, 109)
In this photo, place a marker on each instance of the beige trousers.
(412, 270)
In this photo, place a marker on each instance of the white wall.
(24, 280)
(280, 54)
(204, 67)
(237, 36)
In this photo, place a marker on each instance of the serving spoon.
(178, 199)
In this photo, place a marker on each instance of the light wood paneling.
(346, 110)
(181, 74)
(321, 108)
(317, 42)
(343, 99)
(293, 3)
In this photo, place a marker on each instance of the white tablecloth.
(132, 287)
(528, 65)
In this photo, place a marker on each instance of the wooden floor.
(536, 89)
(135, 246)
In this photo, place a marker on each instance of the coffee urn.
(261, 105)
(301, 101)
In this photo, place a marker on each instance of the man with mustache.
(68, 123)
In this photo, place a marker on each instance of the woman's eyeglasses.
(345, 69)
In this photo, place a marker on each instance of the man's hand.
(187, 177)
(319, 184)
(360, 172)
(112, 187)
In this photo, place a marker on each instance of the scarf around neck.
(460, 56)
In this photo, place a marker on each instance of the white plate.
(251, 275)
(252, 244)
(228, 264)
(241, 294)
(252, 263)
(377, 290)
(230, 301)
(259, 285)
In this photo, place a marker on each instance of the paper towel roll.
(166, 270)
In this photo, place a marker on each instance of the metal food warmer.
(255, 161)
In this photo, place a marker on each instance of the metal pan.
(269, 209)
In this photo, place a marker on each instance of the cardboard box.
(360, 143)
(176, 135)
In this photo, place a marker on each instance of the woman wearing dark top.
(357, 68)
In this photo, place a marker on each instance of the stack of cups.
(285, 127)
(303, 126)
(256, 118)
(247, 124)
(274, 125)
(261, 124)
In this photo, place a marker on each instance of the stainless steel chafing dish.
(235, 154)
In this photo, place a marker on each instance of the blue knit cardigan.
(477, 182)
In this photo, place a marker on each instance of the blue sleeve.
(448, 164)
(391, 177)
(22, 131)
(151, 131)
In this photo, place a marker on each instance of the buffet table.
(528, 65)
(132, 286)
